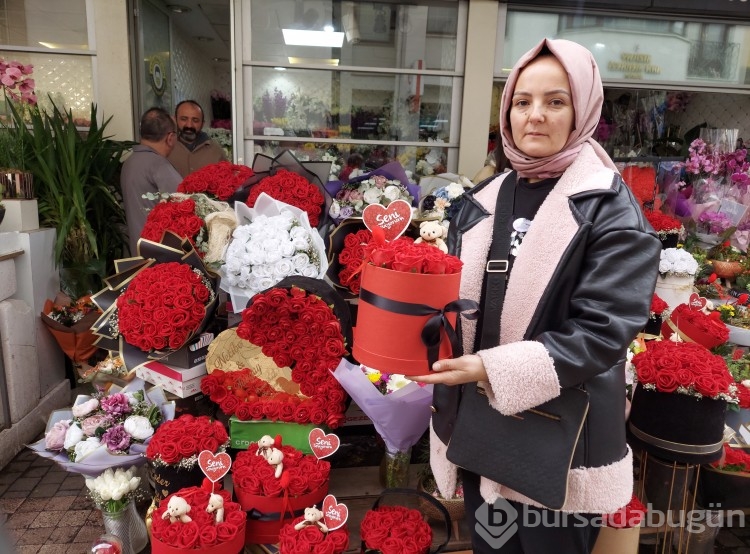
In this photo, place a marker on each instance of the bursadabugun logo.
(496, 523)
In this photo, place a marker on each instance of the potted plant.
(77, 181)
(727, 261)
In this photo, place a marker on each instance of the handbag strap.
(431, 500)
(496, 270)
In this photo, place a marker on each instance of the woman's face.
(541, 113)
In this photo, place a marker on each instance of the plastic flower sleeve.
(401, 417)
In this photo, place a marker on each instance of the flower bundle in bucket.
(321, 530)
(273, 481)
(680, 401)
(396, 529)
(174, 451)
(677, 270)
(668, 228)
(659, 309)
(408, 298)
(198, 519)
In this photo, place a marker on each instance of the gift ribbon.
(438, 319)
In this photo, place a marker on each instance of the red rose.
(207, 536)
(210, 443)
(297, 485)
(229, 405)
(311, 534)
(340, 539)
(271, 487)
(226, 532)
(666, 381)
(188, 535)
(707, 385)
(271, 409)
(326, 547)
(169, 453)
(244, 411)
(188, 446)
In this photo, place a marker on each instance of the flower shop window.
(689, 52)
(52, 24)
(348, 33)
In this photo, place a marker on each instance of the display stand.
(674, 487)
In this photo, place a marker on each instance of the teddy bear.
(313, 516)
(216, 504)
(177, 510)
(275, 457)
(432, 232)
(266, 443)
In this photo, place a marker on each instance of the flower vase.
(394, 468)
(674, 289)
(127, 525)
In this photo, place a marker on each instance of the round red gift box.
(689, 332)
(235, 546)
(261, 531)
(391, 342)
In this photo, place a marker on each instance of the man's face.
(189, 122)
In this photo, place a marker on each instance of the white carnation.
(392, 192)
(372, 196)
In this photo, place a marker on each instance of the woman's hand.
(457, 371)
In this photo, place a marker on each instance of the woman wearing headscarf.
(583, 263)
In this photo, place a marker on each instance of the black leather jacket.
(611, 235)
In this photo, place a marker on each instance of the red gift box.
(235, 546)
(390, 341)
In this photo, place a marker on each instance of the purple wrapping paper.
(392, 170)
(401, 417)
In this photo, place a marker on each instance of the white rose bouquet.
(679, 262)
(273, 241)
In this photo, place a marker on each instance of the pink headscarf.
(588, 96)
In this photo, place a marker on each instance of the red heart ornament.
(334, 514)
(321, 444)
(214, 466)
(696, 302)
(393, 219)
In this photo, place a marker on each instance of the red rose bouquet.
(312, 539)
(178, 216)
(300, 330)
(658, 306)
(630, 515)
(695, 326)
(405, 286)
(303, 474)
(173, 452)
(203, 533)
(273, 497)
(351, 257)
(684, 368)
(219, 180)
(163, 306)
(395, 530)
(734, 459)
(293, 189)
(663, 224)
(179, 441)
(404, 255)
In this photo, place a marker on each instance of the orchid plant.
(17, 82)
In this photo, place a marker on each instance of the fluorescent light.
(324, 61)
(280, 68)
(295, 37)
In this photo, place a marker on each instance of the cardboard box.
(192, 354)
(242, 433)
(178, 381)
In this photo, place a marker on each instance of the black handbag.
(530, 452)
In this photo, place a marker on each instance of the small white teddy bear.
(177, 510)
(313, 516)
(275, 457)
(433, 233)
(216, 504)
(265, 443)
